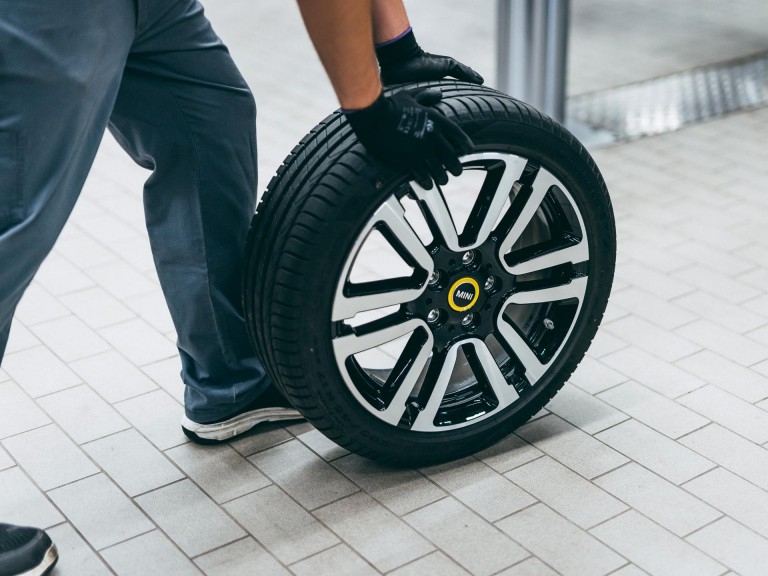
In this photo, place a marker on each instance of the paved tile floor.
(653, 458)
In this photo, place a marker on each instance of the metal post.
(532, 49)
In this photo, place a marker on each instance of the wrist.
(403, 47)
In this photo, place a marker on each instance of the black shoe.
(26, 551)
(271, 406)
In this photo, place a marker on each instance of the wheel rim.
(434, 328)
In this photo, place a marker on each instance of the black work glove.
(404, 131)
(403, 60)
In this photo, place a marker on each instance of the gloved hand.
(405, 131)
(403, 60)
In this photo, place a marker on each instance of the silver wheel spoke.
(392, 215)
(433, 201)
(534, 369)
(505, 393)
(346, 346)
(574, 289)
(425, 420)
(396, 408)
(572, 254)
(541, 185)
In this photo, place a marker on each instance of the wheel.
(416, 326)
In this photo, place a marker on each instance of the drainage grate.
(668, 103)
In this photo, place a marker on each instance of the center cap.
(463, 294)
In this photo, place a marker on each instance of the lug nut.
(490, 282)
(434, 278)
(468, 258)
(548, 324)
(467, 320)
(433, 316)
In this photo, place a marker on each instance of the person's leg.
(60, 69)
(185, 112)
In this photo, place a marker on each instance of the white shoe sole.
(50, 558)
(222, 431)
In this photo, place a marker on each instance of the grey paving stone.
(737, 498)
(139, 342)
(49, 457)
(132, 462)
(748, 384)
(82, 414)
(323, 446)
(662, 285)
(584, 410)
(4, 375)
(658, 311)
(17, 412)
(268, 436)
(509, 453)
(606, 343)
(719, 284)
(5, 460)
(70, 338)
(551, 538)
(38, 371)
(281, 525)
(530, 567)
(37, 306)
(339, 560)
(157, 416)
(732, 452)
(58, 276)
(658, 499)
(736, 347)
(219, 470)
(20, 338)
(245, 556)
(593, 376)
(654, 409)
(119, 278)
(84, 252)
(654, 340)
(629, 570)
(372, 531)
(472, 542)
(305, 476)
(96, 307)
(400, 490)
(480, 488)
(22, 503)
(656, 452)
(734, 546)
(113, 377)
(654, 549)
(167, 374)
(650, 371)
(570, 446)
(582, 503)
(153, 309)
(100, 511)
(435, 563)
(731, 316)
(150, 554)
(733, 413)
(191, 519)
(75, 556)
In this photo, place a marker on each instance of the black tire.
(321, 200)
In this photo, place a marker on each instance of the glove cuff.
(404, 47)
(364, 119)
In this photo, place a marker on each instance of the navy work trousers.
(156, 74)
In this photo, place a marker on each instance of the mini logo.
(463, 294)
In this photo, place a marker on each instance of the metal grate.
(668, 103)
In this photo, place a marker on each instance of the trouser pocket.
(11, 192)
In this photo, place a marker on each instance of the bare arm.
(389, 20)
(342, 33)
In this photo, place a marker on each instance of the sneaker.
(271, 406)
(26, 551)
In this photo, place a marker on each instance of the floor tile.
(530, 567)
(95, 516)
(21, 502)
(380, 537)
(191, 519)
(305, 476)
(281, 525)
(219, 470)
(727, 410)
(113, 377)
(586, 412)
(139, 342)
(727, 375)
(38, 371)
(132, 462)
(654, 549)
(594, 376)
(75, 556)
(652, 372)
(70, 338)
(323, 446)
(550, 537)
(733, 545)
(150, 554)
(339, 560)
(17, 412)
(97, 307)
(157, 417)
(435, 563)
(509, 453)
(472, 542)
(49, 457)
(245, 556)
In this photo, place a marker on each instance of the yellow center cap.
(463, 294)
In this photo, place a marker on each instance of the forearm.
(390, 20)
(342, 33)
